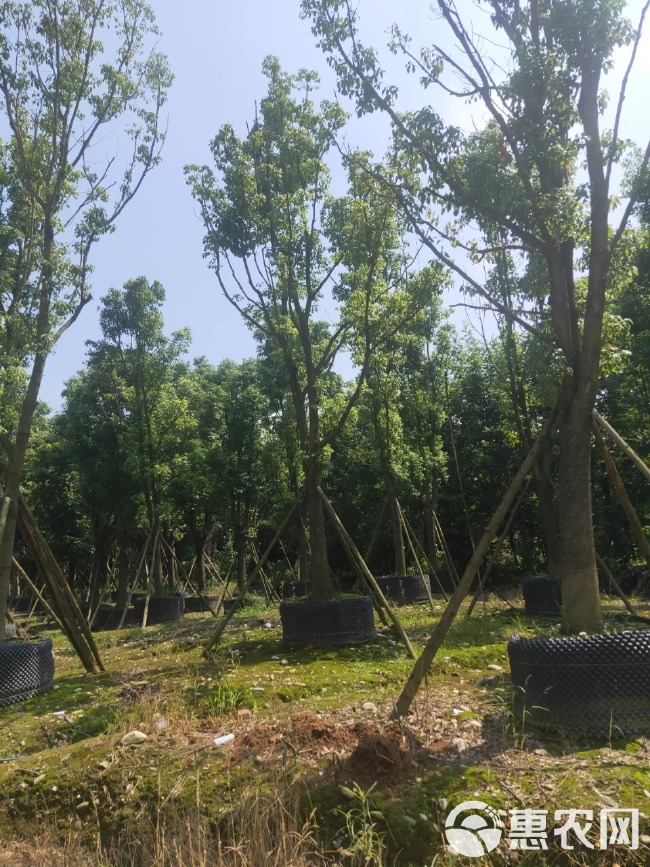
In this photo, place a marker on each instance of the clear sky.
(215, 49)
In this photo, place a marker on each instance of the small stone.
(284, 662)
(268, 626)
(259, 689)
(78, 689)
(38, 779)
(103, 765)
(275, 657)
(56, 686)
(161, 723)
(424, 817)
(55, 788)
(495, 667)
(82, 805)
(540, 752)
(442, 804)
(460, 744)
(370, 707)
(244, 713)
(474, 723)
(645, 839)
(133, 738)
(410, 820)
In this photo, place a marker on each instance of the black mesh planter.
(26, 670)
(597, 684)
(327, 622)
(162, 609)
(108, 617)
(229, 604)
(10, 630)
(405, 588)
(201, 603)
(542, 595)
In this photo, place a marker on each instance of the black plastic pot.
(10, 630)
(26, 670)
(404, 588)
(327, 622)
(542, 595)
(198, 603)
(108, 617)
(598, 684)
(162, 609)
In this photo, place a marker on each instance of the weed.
(365, 843)
(226, 698)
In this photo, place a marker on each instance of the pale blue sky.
(215, 50)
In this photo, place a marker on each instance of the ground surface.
(308, 724)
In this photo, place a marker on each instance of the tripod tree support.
(216, 635)
(367, 574)
(619, 488)
(618, 439)
(423, 664)
(617, 587)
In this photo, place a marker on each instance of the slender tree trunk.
(157, 566)
(430, 509)
(242, 570)
(321, 581)
(199, 550)
(172, 575)
(395, 521)
(303, 543)
(123, 574)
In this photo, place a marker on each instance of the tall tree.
(61, 90)
(519, 173)
(280, 244)
(154, 409)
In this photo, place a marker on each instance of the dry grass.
(261, 831)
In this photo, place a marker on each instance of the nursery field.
(315, 772)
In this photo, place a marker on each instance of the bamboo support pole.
(216, 635)
(375, 532)
(619, 488)
(448, 558)
(497, 548)
(355, 561)
(618, 439)
(65, 601)
(423, 553)
(434, 643)
(37, 593)
(186, 578)
(408, 531)
(367, 574)
(129, 594)
(617, 587)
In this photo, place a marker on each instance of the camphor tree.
(519, 181)
(72, 76)
(280, 243)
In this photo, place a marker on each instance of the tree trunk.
(321, 581)
(580, 599)
(157, 566)
(430, 509)
(172, 575)
(303, 544)
(242, 570)
(395, 521)
(200, 568)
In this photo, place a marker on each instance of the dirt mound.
(378, 754)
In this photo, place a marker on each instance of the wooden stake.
(375, 533)
(618, 439)
(418, 544)
(427, 656)
(134, 583)
(216, 635)
(367, 574)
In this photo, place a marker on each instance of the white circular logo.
(476, 834)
